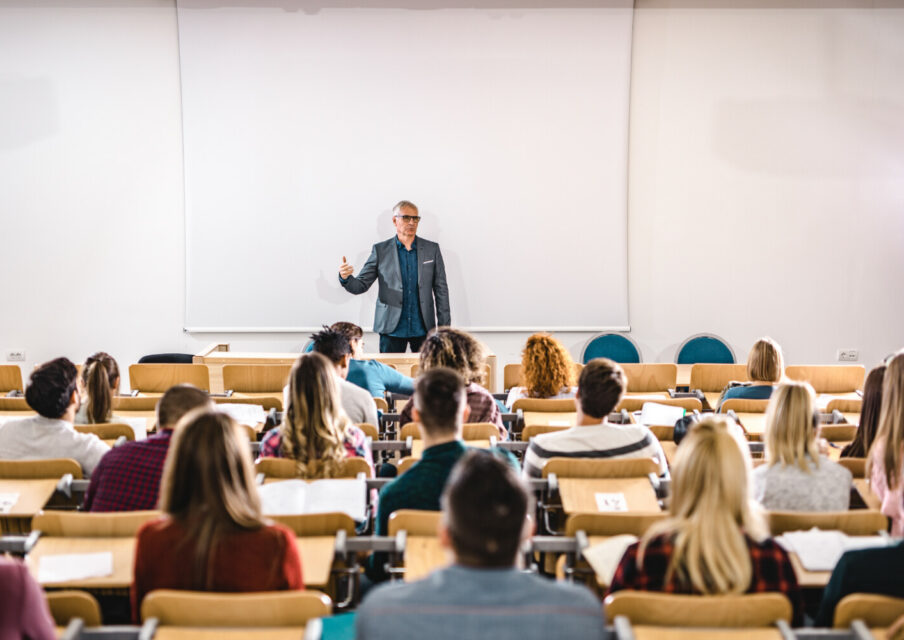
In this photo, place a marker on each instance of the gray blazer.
(383, 264)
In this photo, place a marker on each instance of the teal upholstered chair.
(705, 347)
(614, 346)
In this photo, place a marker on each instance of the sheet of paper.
(288, 497)
(820, 550)
(74, 566)
(8, 501)
(559, 423)
(653, 413)
(249, 414)
(611, 502)
(604, 556)
(823, 400)
(139, 426)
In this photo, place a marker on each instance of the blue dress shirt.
(410, 324)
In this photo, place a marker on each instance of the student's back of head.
(546, 366)
(485, 507)
(51, 387)
(765, 362)
(890, 434)
(100, 381)
(869, 414)
(791, 424)
(439, 402)
(601, 386)
(456, 350)
(177, 401)
(332, 344)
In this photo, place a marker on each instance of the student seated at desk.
(52, 392)
(315, 431)
(374, 376)
(483, 594)
(357, 402)
(765, 368)
(712, 543)
(213, 536)
(885, 463)
(796, 476)
(547, 370)
(601, 386)
(99, 384)
(464, 354)
(440, 409)
(128, 477)
(869, 415)
(23, 608)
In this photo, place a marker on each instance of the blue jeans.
(391, 344)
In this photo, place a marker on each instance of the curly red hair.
(546, 366)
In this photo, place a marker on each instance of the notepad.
(290, 497)
(604, 556)
(139, 426)
(611, 502)
(8, 501)
(249, 414)
(74, 566)
(820, 550)
(653, 413)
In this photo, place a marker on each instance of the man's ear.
(466, 413)
(74, 399)
(415, 414)
(442, 532)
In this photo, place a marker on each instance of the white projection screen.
(505, 122)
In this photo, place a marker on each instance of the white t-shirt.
(38, 437)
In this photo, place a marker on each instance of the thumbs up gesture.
(345, 269)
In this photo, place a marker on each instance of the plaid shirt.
(772, 571)
(355, 444)
(128, 477)
(483, 409)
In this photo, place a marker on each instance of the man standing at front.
(413, 294)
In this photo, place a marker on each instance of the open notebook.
(291, 497)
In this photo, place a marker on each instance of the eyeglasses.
(414, 219)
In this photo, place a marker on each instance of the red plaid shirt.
(355, 444)
(128, 477)
(772, 571)
(483, 409)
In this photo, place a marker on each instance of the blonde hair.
(315, 426)
(765, 362)
(709, 513)
(208, 486)
(546, 366)
(456, 350)
(790, 425)
(890, 434)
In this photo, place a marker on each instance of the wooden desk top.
(317, 554)
(869, 498)
(579, 494)
(544, 418)
(123, 550)
(33, 495)
(668, 633)
(754, 423)
(423, 554)
(417, 446)
(256, 633)
(670, 449)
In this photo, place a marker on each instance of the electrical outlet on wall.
(848, 355)
(15, 355)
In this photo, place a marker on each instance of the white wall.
(770, 139)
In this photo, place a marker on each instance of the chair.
(316, 538)
(47, 468)
(167, 358)
(646, 378)
(381, 404)
(595, 468)
(157, 378)
(78, 524)
(545, 405)
(10, 378)
(470, 432)
(14, 404)
(511, 374)
(423, 552)
(69, 604)
(838, 432)
(875, 610)
(845, 405)
(256, 378)
(266, 402)
(744, 405)
(631, 404)
(612, 524)
(235, 610)
(860, 522)
(532, 430)
(857, 466)
(108, 430)
(369, 430)
(406, 463)
(829, 378)
(705, 347)
(714, 377)
(129, 403)
(284, 468)
(614, 346)
(673, 610)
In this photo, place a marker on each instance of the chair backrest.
(858, 522)
(235, 610)
(614, 346)
(632, 404)
(157, 378)
(10, 378)
(829, 378)
(167, 358)
(651, 377)
(511, 374)
(545, 405)
(66, 605)
(415, 522)
(715, 377)
(256, 378)
(406, 463)
(705, 347)
(285, 468)
(673, 610)
(838, 432)
(317, 524)
(532, 430)
(857, 466)
(79, 524)
(14, 404)
(875, 610)
(39, 469)
(409, 430)
(128, 403)
(744, 405)
(593, 468)
(107, 430)
(612, 524)
(479, 431)
(381, 404)
(845, 405)
(369, 430)
(265, 402)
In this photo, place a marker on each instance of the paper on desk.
(74, 566)
(604, 556)
(249, 414)
(611, 502)
(139, 426)
(290, 497)
(559, 423)
(653, 413)
(820, 550)
(7, 501)
(823, 400)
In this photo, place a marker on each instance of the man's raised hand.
(345, 269)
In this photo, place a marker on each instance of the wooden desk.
(255, 633)
(549, 418)
(670, 449)
(317, 554)
(579, 494)
(423, 555)
(668, 633)
(712, 399)
(869, 498)
(123, 550)
(33, 495)
(808, 579)
(417, 446)
(754, 423)
(652, 396)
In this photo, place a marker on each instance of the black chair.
(166, 358)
